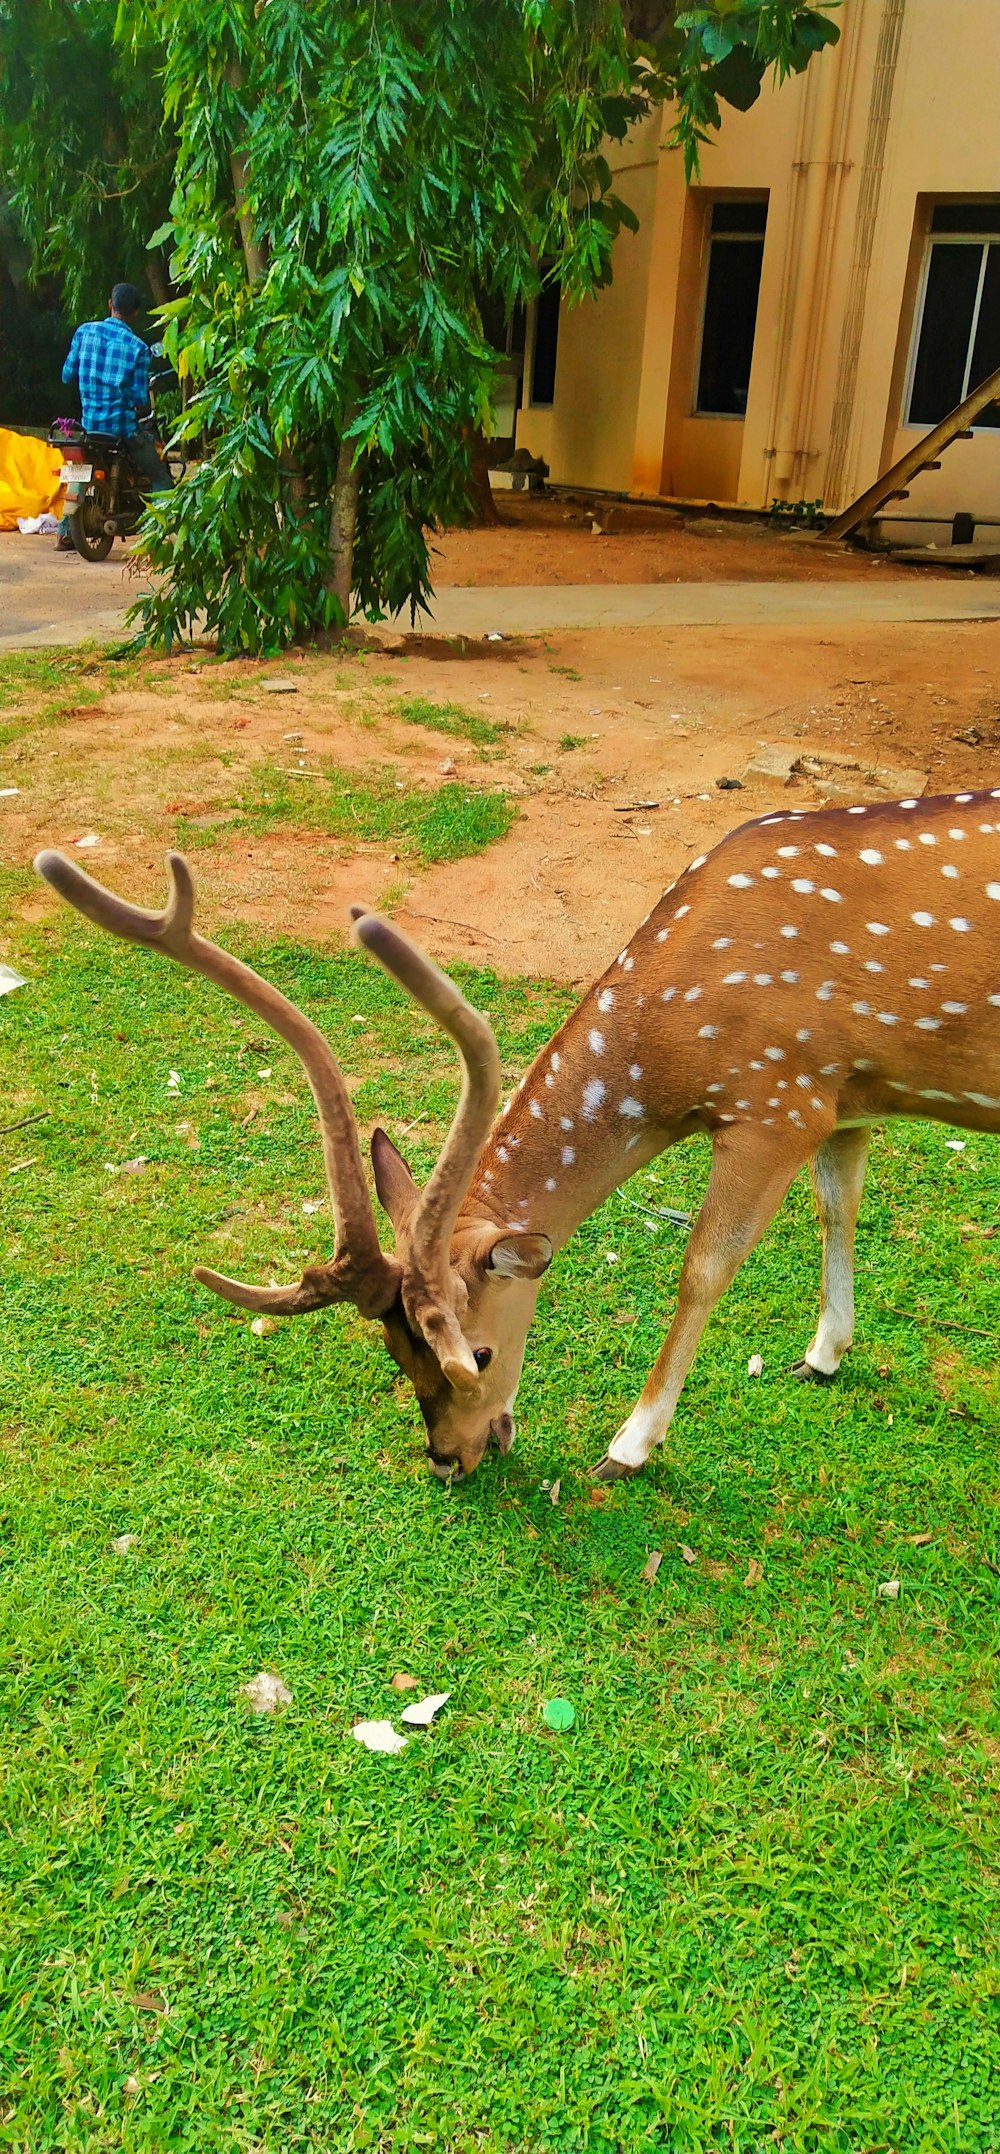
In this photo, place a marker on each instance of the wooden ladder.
(923, 456)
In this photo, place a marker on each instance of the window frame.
(984, 241)
(710, 239)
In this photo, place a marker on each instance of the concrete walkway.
(534, 608)
(48, 598)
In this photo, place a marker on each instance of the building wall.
(904, 109)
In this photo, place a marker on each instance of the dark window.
(958, 336)
(732, 287)
(543, 360)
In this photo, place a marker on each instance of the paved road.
(48, 598)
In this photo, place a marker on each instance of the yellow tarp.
(29, 477)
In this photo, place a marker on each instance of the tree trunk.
(484, 508)
(157, 278)
(339, 578)
(254, 250)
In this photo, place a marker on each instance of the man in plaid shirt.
(110, 366)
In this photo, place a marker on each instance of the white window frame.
(983, 240)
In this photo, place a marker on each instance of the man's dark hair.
(126, 300)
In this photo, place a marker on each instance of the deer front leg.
(838, 1174)
(752, 1170)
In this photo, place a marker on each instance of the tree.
(349, 181)
(86, 158)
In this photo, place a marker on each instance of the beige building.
(830, 288)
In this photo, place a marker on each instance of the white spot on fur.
(740, 882)
(993, 891)
(535, 1108)
(876, 927)
(554, 1061)
(885, 1017)
(734, 979)
(502, 1154)
(922, 919)
(606, 1000)
(802, 886)
(723, 942)
(927, 838)
(928, 1024)
(790, 978)
(961, 926)
(632, 1109)
(872, 965)
(829, 852)
(692, 994)
(951, 872)
(770, 875)
(762, 979)
(567, 1155)
(824, 992)
(902, 845)
(841, 949)
(789, 931)
(833, 897)
(788, 852)
(954, 1009)
(594, 1095)
(635, 1072)
(595, 1041)
(708, 1032)
(565, 1121)
(550, 1185)
(775, 1054)
(871, 858)
(668, 994)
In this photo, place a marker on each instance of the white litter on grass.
(173, 1081)
(955, 1144)
(8, 792)
(755, 1365)
(422, 1711)
(493, 635)
(9, 980)
(263, 1325)
(378, 1735)
(125, 1543)
(90, 839)
(888, 1590)
(267, 1693)
(311, 1205)
(263, 1073)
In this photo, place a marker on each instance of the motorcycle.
(105, 496)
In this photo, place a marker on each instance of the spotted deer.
(815, 974)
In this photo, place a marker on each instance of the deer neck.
(574, 1130)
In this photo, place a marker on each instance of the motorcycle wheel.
(86, 525)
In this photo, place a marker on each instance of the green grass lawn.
(749, 1900)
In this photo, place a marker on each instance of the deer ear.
(397, 1190)
(520, 1256)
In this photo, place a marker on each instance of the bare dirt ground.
(549, 538)
(615, 743)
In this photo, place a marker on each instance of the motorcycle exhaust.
(111, 527)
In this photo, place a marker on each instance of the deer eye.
(483, 1355)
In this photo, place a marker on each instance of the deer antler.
(359, 1271)
(428, 1291)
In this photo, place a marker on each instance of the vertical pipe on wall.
(837, 483)
(819, 169)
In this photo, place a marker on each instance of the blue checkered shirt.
(110, 366)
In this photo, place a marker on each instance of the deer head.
(456, 1297)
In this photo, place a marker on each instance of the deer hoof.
(806, 1374)
(611, 1469)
